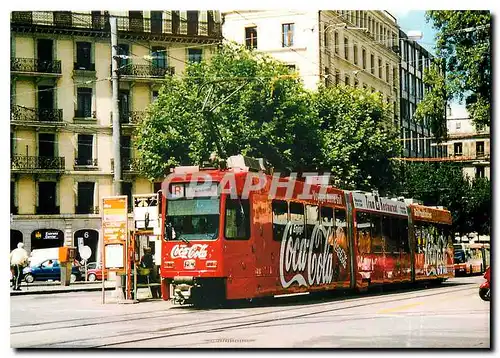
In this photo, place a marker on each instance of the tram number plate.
(189, 264)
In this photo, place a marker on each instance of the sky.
(414, 20)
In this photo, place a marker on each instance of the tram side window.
(341, 228)
(280, 218)
(312, 218)
(297, 216)
(327, 217)
(378, 245)
(237, 219)
(389, 233)
(363, 233)
(419, 239)
(403, 235)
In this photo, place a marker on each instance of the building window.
(336, 42)
(355, 49)
(85, 199)
(83, 59)
(480, 149)
(251, 37)
(156, 21)
(379, 68)
(325, 36)
(458, 125)
(159, 57)
(127, 190)
(47, 198)
(292, 68)
(192, 22)
(84, 103)
(346, 48)
(327, 77)
(363, 54)
(356, 83)
(287, 35)
(123, 49)
(85, 149)
(387, 72)
(337, 77)
(195, 55)
(155, 96)
(372, 64)
(479, 172)
(347, 80)
(457, 148)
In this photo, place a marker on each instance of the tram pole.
(117, 174)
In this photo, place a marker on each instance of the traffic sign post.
(114, 236)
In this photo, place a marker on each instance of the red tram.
(239, 234)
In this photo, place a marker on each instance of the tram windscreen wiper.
(181, 237)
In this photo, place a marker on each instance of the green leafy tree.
(479, 206)
(358, 138)
(444, 184)
(245, 102)
(464, 41)
(433, 105)
(239, 102)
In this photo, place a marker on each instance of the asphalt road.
(447, 316)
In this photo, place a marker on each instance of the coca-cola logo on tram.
(317, 259)
(196, 251)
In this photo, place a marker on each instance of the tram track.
(229, 323)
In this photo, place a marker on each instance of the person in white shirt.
(18, 259)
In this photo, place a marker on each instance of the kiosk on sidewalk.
(144, 248)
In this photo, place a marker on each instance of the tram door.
(239, 260)
(262, 249)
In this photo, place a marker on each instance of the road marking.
(400, 308)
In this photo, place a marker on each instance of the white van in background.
(37, 256)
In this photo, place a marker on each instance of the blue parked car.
(49, 270)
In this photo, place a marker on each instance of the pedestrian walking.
(18, 259)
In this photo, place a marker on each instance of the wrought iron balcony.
(20, 113)
(30, 163)
(85, 113)
(146, 71)
(34, 65)
(128, 165)
(131, 117)
(85, 162)
(47, 210)
(133, 26)
(86, 209)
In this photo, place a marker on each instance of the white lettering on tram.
(298, 257)
(185, 252)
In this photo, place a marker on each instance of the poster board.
(146, 211)
(114, 231)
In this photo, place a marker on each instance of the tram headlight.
(211, 264)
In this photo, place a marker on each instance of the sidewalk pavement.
(55, 287)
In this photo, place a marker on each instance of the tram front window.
(193, 219)
(459, 257)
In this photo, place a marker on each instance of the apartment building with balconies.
(61, 121)
(355, 48)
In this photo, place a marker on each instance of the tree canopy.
(464, 41)
(245, 102)
(444, 184)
